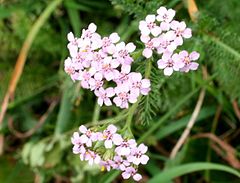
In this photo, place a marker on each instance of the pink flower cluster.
(95, 61)
(125, 154)
(163, 34)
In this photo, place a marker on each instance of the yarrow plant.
(163, 34)
(110, 150)
(97, 62)
(103, 65)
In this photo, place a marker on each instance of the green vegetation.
(47, 106)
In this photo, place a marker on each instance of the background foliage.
(45, 155)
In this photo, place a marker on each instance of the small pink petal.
(147, 53)
(125, 68)
(117, 139)
(150, 18)
(92, 27)
(114, 37)
(126, 175)
(100, 101)
(156, 31)
(137, 177)
(108, 144)
(144, 38)
(144, 159)
(132, 98)
(130, 47)
(70, 36)
(112, 128)
(193, 66)
(165, 26)
(161, 64)
(117, 101)
(194, 55)
(146, 83)
(168, 71)
(107, 102)
(187, 33)
(178, 41)
(82, 129)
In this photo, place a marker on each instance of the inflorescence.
(110, 150)
(103, 65)
(163, 34)
(97, 61)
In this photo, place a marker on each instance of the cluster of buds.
(97, 62)
(110, 150)
(162, 34)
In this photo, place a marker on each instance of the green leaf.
(37, 154)
(26, 151)
(53, 157)
(64, 115)
(172, 173)
(75, 20)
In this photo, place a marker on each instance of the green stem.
(148, 69)
(116, 119)
(130, 115)
(96, 113)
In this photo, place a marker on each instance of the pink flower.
(138, 85)
(130, 171)
(138, 156)
(150, 45)
(88, 33)
(165, 16)
(119, 163)
(123, 97)
(69, 67)
(104, 95)
(108, 43)
(187, 59)
(73, 43)
(78, 147)
(85, 77)
(122, 52)
(107, 164)
(125, 147)
(149, 26)
(121, 78)
(111, 137)
(97, 60)
(166, 43)
(180, 31)
(92, 157)
(170, 63)
(88, 136)
(109, 66)
(96, 82)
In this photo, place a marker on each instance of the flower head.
(188, 59)
(111, 137)
(170, 63)
(130, 171)
(138, 156)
